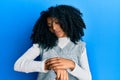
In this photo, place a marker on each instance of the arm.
(82, 72)
(26, 62)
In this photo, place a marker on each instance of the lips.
(57, 32)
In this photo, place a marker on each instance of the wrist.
(45, 66)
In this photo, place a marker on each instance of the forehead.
(51, 19)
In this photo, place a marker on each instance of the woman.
(57, 39)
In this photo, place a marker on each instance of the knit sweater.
(69, 50)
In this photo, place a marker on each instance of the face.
(55, 28)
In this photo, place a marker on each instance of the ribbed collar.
(62, 42)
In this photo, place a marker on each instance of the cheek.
(59, 28)
(51, 30)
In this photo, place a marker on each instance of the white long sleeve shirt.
(26, 62)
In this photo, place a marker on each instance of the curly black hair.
(70, 20)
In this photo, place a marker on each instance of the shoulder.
(81, 43)
(35, 45)
(81, 46)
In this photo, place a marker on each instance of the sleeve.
(82, 72)
(26, 62)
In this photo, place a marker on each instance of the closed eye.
(56, 22)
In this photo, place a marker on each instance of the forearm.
(80, 73)
(29, 66)
(26, 62)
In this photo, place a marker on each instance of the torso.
(70, 51)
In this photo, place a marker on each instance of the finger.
(61, 76)
(59, 66)
(57, 76)
(51, 61)
(55, 64)
(48, 60)
(55, 58)
(67, 77)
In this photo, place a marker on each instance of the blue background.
(102, 35)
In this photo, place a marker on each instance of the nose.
(54, 27)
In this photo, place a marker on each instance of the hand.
(60, 63)
(61, 74)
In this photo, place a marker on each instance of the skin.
(55, 28)
(59, 65)
(61, 75)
